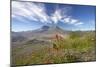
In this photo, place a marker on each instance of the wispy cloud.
(80, 23)
(37, 12)
(73, 21)
(31, 11)
(56, 16)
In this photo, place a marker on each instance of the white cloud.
(66, 20)
(56, 16)
(73, 21)
(70, 20)
(79, 23)
(30, 11)
(37, 12)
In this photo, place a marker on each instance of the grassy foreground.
(74, 47)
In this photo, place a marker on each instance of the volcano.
(41, 32)
(49, 30)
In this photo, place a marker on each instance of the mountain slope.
(44, 31)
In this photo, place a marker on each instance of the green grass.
(76, 45)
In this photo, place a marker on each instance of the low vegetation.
(74, 47)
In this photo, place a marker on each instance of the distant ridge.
(43, 31)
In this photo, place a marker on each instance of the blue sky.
(32, 15)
